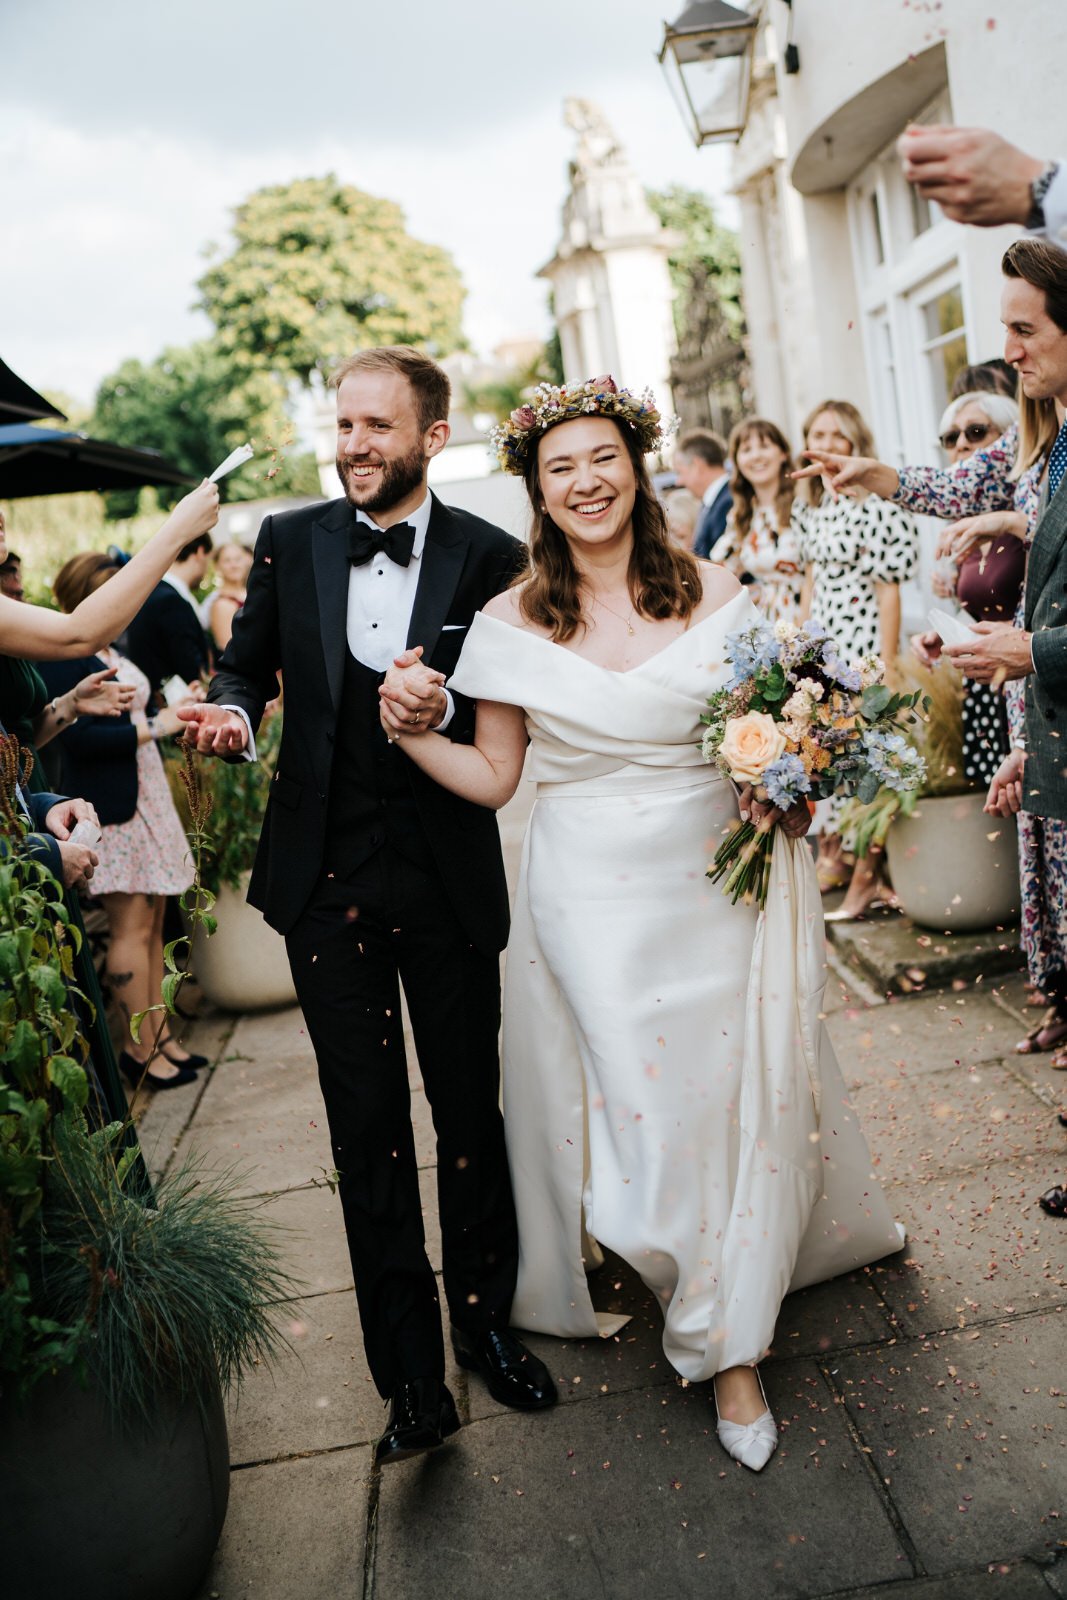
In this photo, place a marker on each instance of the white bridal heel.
(751, 1443)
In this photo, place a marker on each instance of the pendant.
(629, 629)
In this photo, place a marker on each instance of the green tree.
(320, 269)
(194, 405)
(705, 244)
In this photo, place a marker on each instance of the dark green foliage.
(165, 1295)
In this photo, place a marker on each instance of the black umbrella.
(38, 461)
(18, 402)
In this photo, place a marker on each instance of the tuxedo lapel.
(442, 560)
(329, 555)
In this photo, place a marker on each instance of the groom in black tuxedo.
(378, 877)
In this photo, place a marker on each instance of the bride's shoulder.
(504, 607)
(719, 588)
(507, 607)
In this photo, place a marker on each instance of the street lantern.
(707, 55)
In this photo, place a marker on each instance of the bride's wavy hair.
(664, 580)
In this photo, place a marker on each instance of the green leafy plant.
(42, 1072)
(139, 1292)
(937, 736)
(166, 1295)
(236, 795)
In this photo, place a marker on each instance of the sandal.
(1044, 1035)
(1058, 1061)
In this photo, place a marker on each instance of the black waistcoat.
(370, 802)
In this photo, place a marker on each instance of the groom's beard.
(396, 480)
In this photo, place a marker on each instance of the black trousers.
(356, 942)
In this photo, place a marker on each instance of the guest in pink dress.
(144, 854)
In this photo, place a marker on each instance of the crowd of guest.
(94, 721)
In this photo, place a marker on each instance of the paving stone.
(978, 1247)
(893, 953)
(585, 1368)
(831, 1316)
(294, 1529)
(277, 1142)
(313, 1242)
(317, 1396)
(631, 1493)
(906, 1039)
(953, 1119)
(968, 1438)
(999, 1580)
(265, 1036)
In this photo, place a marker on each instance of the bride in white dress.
(669, 1089)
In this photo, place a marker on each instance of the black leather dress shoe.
(514, 1375)
(422, 1415)
(1054, 1202)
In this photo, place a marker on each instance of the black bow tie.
(397, 542)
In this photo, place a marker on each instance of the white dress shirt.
(714, 490)
(381, 598)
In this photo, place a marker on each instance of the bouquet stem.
(743, 859)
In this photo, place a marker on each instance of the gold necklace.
(627, 620)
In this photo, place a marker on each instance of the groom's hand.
(413, 699)
(214, 731)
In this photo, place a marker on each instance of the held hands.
(413, 700)
(1000, 653)
(211, 730)
(99, 695)
(794, 823)
(973, 175)
(1006, 790)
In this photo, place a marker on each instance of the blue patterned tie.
(1057, 461)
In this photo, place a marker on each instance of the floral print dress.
(150, 853)
(984, 482)
(764, 555)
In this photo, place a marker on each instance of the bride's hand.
(412, 696)
(794, 823)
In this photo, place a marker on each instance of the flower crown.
(512, 440)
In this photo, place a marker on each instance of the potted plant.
(122, 1312)
(244, 966)
(953, 867)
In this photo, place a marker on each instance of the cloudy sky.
(128, 131)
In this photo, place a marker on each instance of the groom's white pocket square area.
(454, 627)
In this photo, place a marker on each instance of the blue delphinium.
(893, 760)
(751, 650)
(842, 672)
(785, 780)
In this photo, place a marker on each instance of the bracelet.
(64, 722)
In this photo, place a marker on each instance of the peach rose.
(750, 744)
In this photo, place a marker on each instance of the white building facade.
(855, 288)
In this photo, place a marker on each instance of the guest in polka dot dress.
(856, 552)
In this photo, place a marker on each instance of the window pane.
(876, 231)
(946, 361)
(943, 315)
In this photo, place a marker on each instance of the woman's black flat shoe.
(1054, 1203)
(190, 1061)
(140, 1077)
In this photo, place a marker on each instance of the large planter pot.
(953, 867)
(243, 966)
(92, 1510)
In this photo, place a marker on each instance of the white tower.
(609, 274)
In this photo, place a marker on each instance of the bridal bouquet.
(796, 721)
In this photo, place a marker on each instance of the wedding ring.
(415, 718)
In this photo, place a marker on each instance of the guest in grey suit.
(1032, 780)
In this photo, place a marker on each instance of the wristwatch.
(1039, 188)
(64, 722)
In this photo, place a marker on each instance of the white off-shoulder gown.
(669, 1089)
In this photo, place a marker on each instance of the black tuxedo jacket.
(295, 621)
(165, 638)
